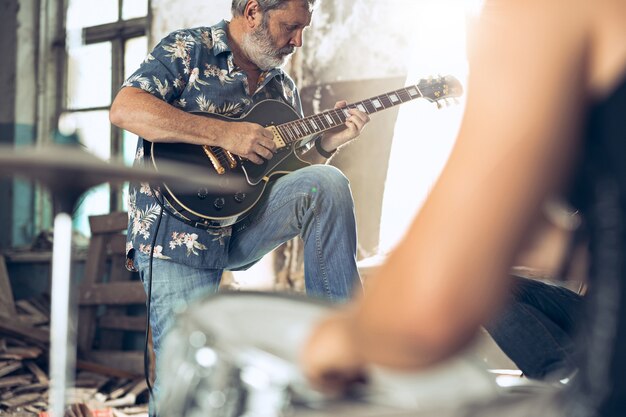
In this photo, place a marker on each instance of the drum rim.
(267, 294)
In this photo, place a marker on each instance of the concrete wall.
(32, 48)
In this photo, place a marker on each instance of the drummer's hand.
(331, 359)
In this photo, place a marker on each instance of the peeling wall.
(170, 15)
(352, 40)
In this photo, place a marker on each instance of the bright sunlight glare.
(424, 134)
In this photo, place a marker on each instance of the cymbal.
(64, 166)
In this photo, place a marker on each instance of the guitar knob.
(203, 193)
(239, 197)
(219, 203)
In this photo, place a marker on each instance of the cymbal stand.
(63, 318)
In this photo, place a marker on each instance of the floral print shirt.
(193, 70)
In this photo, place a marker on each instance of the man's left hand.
(350, 130)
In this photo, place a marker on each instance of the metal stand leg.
(62, 322)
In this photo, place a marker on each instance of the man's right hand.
(250, 141)
(157, 121)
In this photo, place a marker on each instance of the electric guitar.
(220, 206)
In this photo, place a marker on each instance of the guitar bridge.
(219, 168)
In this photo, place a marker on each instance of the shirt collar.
(219, 35)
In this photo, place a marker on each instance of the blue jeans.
(314, 203)
(537, 328)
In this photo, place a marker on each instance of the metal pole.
(62, 323)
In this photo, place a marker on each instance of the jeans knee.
(323, 191)
(330, 183)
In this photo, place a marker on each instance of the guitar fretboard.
(301, 128)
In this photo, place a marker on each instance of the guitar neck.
(321, 122)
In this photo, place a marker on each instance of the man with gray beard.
(227, 69)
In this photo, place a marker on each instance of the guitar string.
(318, 123)
(300, 128)
(385, 100)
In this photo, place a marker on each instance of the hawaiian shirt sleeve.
(165, 71)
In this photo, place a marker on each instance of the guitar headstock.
(440, 88)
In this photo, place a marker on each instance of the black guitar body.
(221, 206)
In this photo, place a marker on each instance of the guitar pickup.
(277, 138)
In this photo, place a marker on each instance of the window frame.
(117, 33)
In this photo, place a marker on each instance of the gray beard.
(259, 49)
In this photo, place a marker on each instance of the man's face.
(270, 44)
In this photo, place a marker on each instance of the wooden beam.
(9, 368)
(89, 366)
(43, 257)
(113, 293)
(24, 332)
(37, 371)
(127, 361)
(117, 245)
(128, 323)
(108, 223)
(7, 303)
(125, 29)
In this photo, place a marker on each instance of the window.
(106, 41)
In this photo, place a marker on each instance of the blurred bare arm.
(516, 146)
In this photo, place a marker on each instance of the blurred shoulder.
(607, 47)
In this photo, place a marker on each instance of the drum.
(235, 354)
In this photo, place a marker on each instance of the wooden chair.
(108, 296)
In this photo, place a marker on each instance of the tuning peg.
(456, 100)
(438, 104)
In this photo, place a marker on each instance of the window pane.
(134, 8)
(89, 76)
(94, 132)
(129, 149)
(135, 51)
(129, 146)
(94, 202)
(85, 13)
(125, 197)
